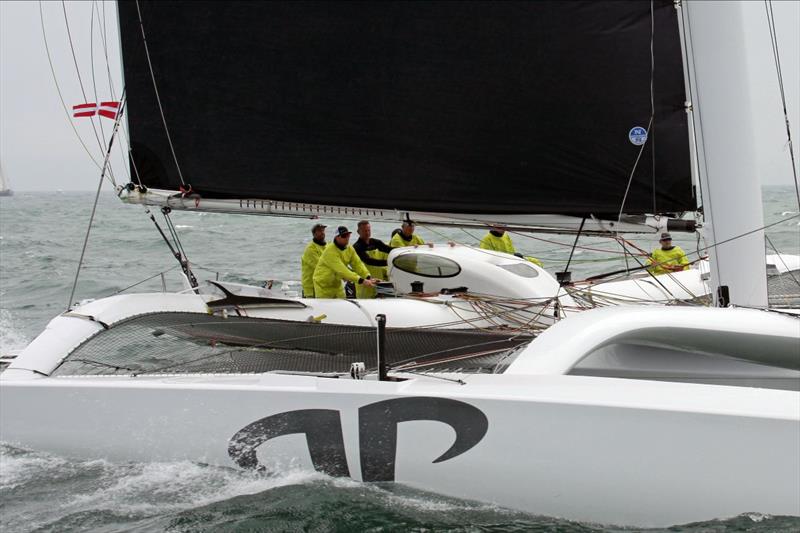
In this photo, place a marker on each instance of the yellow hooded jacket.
(398, 241)
(499, 244)
(307, 265)
(503, 244)
(334, 266)
(673, 257)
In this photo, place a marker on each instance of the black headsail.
(475, 107)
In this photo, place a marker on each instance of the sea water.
(41, 235)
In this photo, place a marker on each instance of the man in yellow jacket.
(499, 241)
(339, 262)
(668, 258)
(406, 236)
(310, 258)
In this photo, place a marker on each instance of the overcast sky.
(40, 151)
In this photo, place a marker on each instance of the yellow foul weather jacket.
(499, 244)
(308, 263)
(334, 266)
(398, 241)
(503, 244)
(673, 257)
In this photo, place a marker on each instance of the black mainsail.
(474, 107)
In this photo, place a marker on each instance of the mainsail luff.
(476, 108)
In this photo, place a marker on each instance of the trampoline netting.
(171, 343)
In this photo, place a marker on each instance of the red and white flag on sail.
(84, 110)
(104, 109)
(108, 109)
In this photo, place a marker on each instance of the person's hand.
(370, 282)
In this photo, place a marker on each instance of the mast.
(720, 97)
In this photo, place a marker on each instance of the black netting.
(784, 290)
(194, 343)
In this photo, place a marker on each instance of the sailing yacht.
(4, 190)
(579, 117)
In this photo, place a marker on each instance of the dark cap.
(341, 231)
(408, 222)
(316, 227)
(665, 237)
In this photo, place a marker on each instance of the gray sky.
(40, 151)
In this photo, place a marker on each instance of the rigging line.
(104, 40)
(633, 171)
(145, 280)
(577, 236)
(776, 56)
(745, 234)
(174, 233)
(94, 83)
(78, 72)
(158, 97)
(528, 236)
(649, 125)
(437, 352)
(179, 256)
(96, 198)
(58, 89)
(689, 62)
(780, 257)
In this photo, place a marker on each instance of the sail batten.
(484, 108)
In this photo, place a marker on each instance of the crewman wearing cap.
(310, 258)
(406, 236)
(499, 241)
(339, 262)
(669, 258)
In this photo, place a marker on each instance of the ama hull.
(593, 449)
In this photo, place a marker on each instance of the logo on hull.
(377, 434)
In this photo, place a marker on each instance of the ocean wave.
(11, 338)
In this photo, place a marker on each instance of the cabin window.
(521, 269)
(430, 266)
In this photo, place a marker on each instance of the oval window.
(430, 266)
(521, 269)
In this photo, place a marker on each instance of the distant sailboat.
(4, 190)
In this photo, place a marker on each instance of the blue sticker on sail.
(637, 135)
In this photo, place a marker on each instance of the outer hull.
(596, 449)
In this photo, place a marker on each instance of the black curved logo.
(377, 432)
(323, 430)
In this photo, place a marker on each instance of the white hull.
(537, 437)
(594, 449)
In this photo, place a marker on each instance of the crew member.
(339, 262)
(668, 258)
(310, 257)
(499, 241)
(373, 253)
(406, 237)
